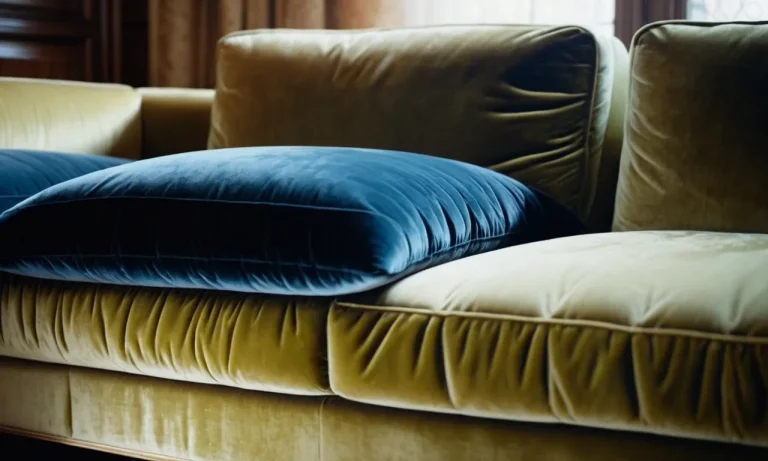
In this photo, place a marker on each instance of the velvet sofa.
(648, 342)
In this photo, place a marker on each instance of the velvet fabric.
(665, 332)
(282, 220)
(162, 419)
(174, 120)
(695, 149)
(541, 104)
(23, 173)
(246, 340)
(67, 116)
(662, 332)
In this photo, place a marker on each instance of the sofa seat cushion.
(664, 332)
(248, 341)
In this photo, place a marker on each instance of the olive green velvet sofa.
(645, 339)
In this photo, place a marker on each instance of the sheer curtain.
(728, 10)
(597, 14)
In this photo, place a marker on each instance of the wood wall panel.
(51, 39)
(42, 60)
(61, 5)
(134, 43)
(74, 40)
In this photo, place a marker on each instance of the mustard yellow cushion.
(66, 116)
(249, 341)
(663, 332)
(148, 418)
(695, 148)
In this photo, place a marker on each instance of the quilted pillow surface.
(281, 220)
(23, 173)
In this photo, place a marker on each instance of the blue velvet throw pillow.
(23, 173)
(315, 221)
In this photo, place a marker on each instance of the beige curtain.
(631, 15)
(183, 33)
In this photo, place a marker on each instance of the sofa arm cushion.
(78, 117)
(290, 220)
(174, 120)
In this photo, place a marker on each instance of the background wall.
(172, 42)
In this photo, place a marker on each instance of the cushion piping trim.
(578, 323)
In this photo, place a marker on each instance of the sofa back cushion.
(63, 116)
(696, 147)
(531, 102)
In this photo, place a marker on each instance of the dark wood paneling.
(92, 40)
(134, 43)
(61, 5)
(50, 39)
(61, 60)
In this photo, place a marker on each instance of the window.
(596, 14)
(728, 10)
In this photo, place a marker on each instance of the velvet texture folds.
(695, 148)
(543, 105)
(282, 220)
(24, 173)
(662, 332)
(159, 419)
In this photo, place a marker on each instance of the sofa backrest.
(532, 102)
(696, 143)
(66, 116)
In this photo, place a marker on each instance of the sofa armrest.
(601, 215)
(174, 120)
(78, 117)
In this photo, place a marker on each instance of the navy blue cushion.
(23, 173)
(282, 220)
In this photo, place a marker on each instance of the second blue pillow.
(282, 220)
(23, 173)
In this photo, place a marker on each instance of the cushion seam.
(263, 262)
(196, 199)
(575, 323)
(230, 38)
